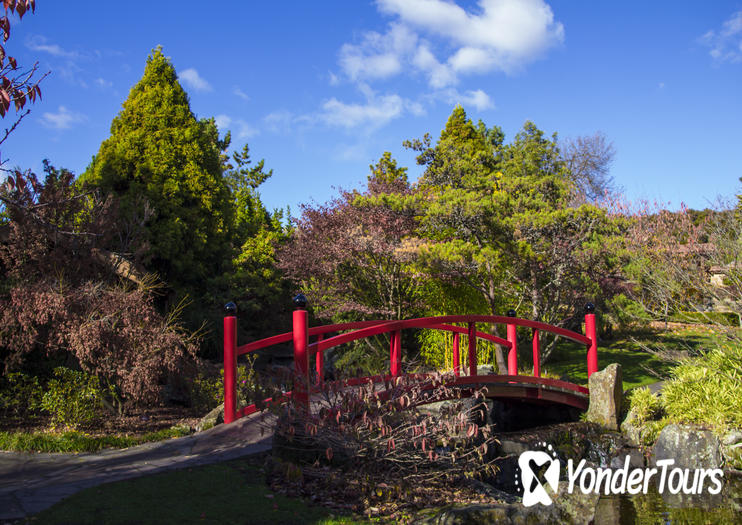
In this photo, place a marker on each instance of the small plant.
(20, 395)
(645, 406)
(207, 392)
(72, 397)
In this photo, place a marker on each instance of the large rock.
(690, 447)
(606, 397)
(731, 448)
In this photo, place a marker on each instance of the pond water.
(661, 509)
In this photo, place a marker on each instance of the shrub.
(207, 391)
(72, 397)
(113, 332)
(645, 406)
(705, 390)
(20, 394)
(65, 292)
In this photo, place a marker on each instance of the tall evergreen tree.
(159, 155)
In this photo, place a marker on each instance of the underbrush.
(369, 449)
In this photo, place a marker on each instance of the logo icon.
(538, 469)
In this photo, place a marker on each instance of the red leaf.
(328, 453)
(13, 63)
(20, 8)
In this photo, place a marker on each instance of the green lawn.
(229, 492)
(569, 360)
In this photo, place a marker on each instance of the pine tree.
(159, 155)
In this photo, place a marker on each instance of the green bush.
(20, 394)
(207, 391)
(645, 406)
(625, 313)
(706, 390)
(72, 397)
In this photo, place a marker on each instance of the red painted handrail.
(362, 329)
(431, 322)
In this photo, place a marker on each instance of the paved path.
(30, 483)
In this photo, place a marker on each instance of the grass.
(76, 441)
(230, 492)
(569, 359)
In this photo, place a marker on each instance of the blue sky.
(322, 89)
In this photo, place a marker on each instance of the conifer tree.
(159, 155)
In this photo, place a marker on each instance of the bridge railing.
(301, 332)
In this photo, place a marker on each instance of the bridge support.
(230, 362)
(591, 333)
(456, 358)
(395, 353)
(320, 363)
(536, 354)
(513, 340)
(472, 349)
(301, 356)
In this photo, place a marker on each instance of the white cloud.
(222, 121)
(245, 130)
(377, 111)
(241, 129)
(726, 43)
(103, 83)
(477, 98)
(237, 91)
(40, 43)
(498, 35)
(192, 79)
(279, 121)
(377, 56)
(62, 119)
(439, 75)
(507, 29)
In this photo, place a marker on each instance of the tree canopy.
(159, 155)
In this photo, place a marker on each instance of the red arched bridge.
(533, 388)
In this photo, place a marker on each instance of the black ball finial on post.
(230, 308)
(589, 308)
(511, 313)
(300, 301)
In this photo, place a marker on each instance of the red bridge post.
(301, 356)
(472, 349)
(513, 353)
(456, 358)
(536, 354)
(396, 350)
(591, 333)
(230, 362)
(320, 363)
